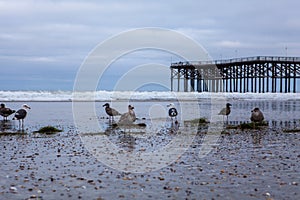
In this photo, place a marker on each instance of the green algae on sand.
(250, 125)
(198, 121)
(48, 130)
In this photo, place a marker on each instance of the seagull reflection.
(120, 138)
(6, 125)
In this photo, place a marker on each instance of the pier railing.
(239, 60)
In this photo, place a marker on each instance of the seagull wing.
(114, 112)
(222, 112)
(21, 114)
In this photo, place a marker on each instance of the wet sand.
(248, 164)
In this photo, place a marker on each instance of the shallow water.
(61, 113)
(250, 164)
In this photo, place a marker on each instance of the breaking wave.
(137, 96)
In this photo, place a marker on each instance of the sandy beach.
(240, 164)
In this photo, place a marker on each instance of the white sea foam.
(138, 96)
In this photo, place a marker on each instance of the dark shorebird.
(21, 114)
(172, 112)
(5, 112)
(256, 115)
(129, 117)
(110, 111)
(225, 111)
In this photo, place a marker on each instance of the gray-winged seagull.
(256, 115)
(225, 111)
(5, 112)
(111, 112)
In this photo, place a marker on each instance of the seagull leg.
(176, 122)
(111, 120)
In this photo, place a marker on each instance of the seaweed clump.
(251, 125)
(291, 130)
(202, 120)
(48, 130)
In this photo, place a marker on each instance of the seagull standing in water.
(173, 112)
(110, 111)
(129, 117)
(21, 114)
(5, 112)
(225, 111)
(256, 115)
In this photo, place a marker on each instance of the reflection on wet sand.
(139, 138)
(257, 138)
(8, 127)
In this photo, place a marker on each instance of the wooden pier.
(252, 74)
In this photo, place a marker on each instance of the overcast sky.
(44, 42)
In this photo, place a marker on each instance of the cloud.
(63, 32)
(32, 7)
(41, 59)
(10, 36)
(229, 44)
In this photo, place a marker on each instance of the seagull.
(129, 117)
(225, 111)
(172, 112)
(110, 111)
(21, 114)
(5, 112)
(256, 115)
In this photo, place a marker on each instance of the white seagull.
(21, 114)
(129, 117)
(172, 112)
